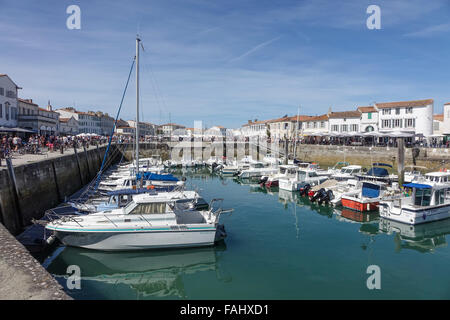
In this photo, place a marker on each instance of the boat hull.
(140, 240)
(414, 217)
(358, 205)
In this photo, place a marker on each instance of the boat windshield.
(422, 197)
(282, 170)
(301, 175)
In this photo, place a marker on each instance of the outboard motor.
(327, 197)
(263, 180)
(305, 189)
(318, 195)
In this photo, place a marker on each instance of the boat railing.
(217, 212)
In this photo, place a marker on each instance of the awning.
(6, 129)
(417, 186)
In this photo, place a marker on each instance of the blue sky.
(225, 62)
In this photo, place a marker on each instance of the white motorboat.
(257, 170)
(368, 195)
(413, 174)
(142, 224)
(347, 172)
(428, 200)
(307, 166)
(271, 159)
(301, 178)
(284, 171)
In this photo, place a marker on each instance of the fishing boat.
(428, 200)
(142, 224)
(368, 196)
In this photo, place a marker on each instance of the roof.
(64, 119)
(345, 114)
(448, 103)
(317, 118)
(367, 109)
(438, 117)
(255, 122)
(27, 101)
(5, 75)
(412, 103)
(42, 109)
(172, 124)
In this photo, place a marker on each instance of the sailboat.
(143, 223)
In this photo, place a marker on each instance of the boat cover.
(370, 190)
(156, 177)
(382, 164)
(417, 186)
(377, 172)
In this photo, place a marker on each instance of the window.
(335, 128)
(386, 124)
(410, 123)
(2, 91)
(369, 115)
(386, 111)
(7, 110)
(354, 127)
(397, 123)
(344, 128)
(436, 125)
(423, 197)
(397, 110)
(149, 208)
(322, 124)
(1, 111)
(409, 110)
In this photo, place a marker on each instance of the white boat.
(301, 178)
(413, 174)
(347, 172)
(368, 195)
(284, 171)
(142, 224)
(271, 159)
(257, 170)
(428, 200)
(307, 166)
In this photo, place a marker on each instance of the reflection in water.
(422, 237)
(147, 273)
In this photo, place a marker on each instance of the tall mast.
(137, 103)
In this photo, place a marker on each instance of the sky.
(226, 62)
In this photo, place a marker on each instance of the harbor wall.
(35, 187)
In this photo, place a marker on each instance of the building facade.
(145, 128)
(28, 114)
(167, 129)
(369, 119)
(407, 116)
(347, 122)
(8, 102)
(311, 125)
(68, 126)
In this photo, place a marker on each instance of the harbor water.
(279, 246)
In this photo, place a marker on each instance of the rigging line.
(157, 84)
(115, 123)
(153, 83)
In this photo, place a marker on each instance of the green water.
(279, 246)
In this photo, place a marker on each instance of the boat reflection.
(424, 237)
(150, 274)
(295, 197)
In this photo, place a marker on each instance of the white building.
(253, 129)
(311, 125)
(344, 122)
(167, 129)
(406, 116)
(283, 128)
(68, 126)
(145, 128)
(369, 119)
(88, 122)
(446, 120)
(215, 132)
(8, 102)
